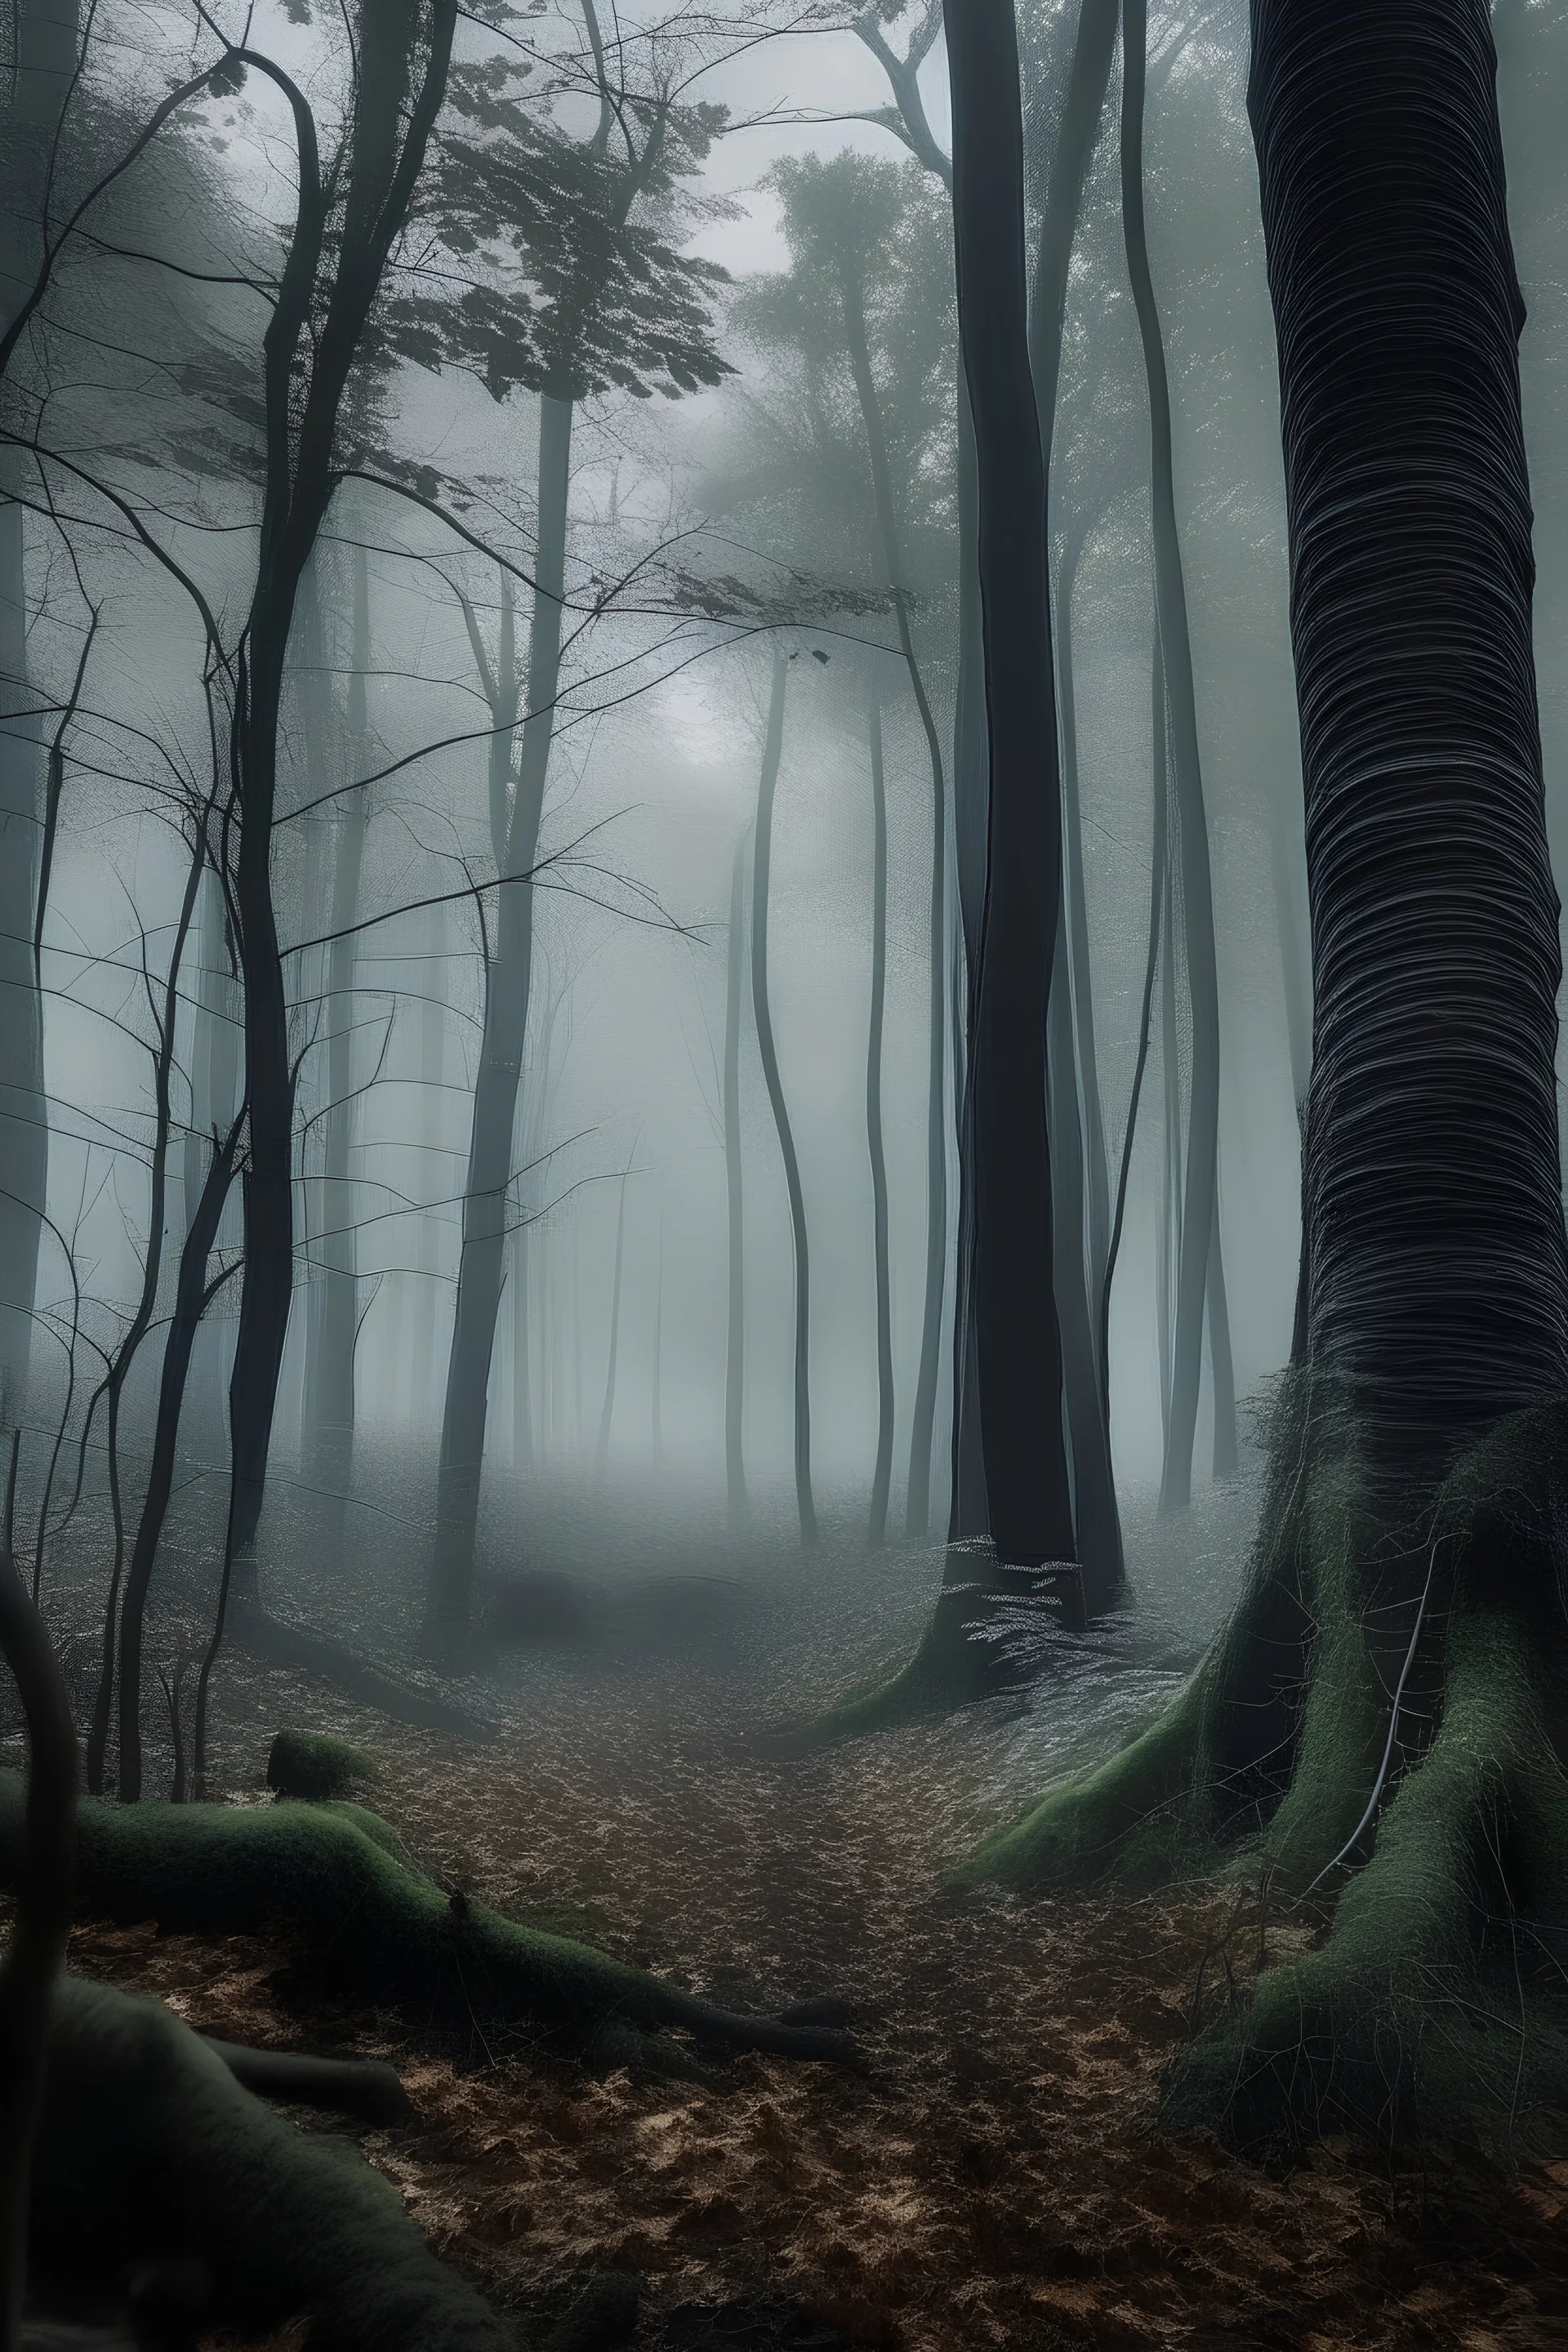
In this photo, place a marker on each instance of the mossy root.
(373, 1918)
(153, 2164)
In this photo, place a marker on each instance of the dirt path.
(985, 2174)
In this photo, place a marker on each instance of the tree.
(621, 308)
(46, 34)
(762, 1008)
(1374, 1730)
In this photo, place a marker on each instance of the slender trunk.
(1157, 888)
(735, 1331)
(916, 1523)
(333, 1421)
(1097, 1183)
(772, 747)
(1018, 1343)
(435, 1182)
(508, 982)
(1198, 1230)
(602, 1450)
(191, 1296)
(24, 1111)
(1226, 1452)
(968, 1510)
(120, 1366)
(522, 1404)
(882, 1479)
(657, 1430)
(1170, 1250)
(1094, 1489)
(47, 35)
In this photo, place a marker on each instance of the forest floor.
(986, 2171)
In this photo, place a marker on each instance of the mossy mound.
(314, 1765)
(1379, 1733)
(374, 1919)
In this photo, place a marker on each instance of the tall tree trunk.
(435, 1180)
(1439, 1291)
(507, 982)
(602, 1450)
(762, 862)
(917, 1521)
(1417, 1505)
(1198, 1220)
(1157, 894)
(521, 1402)
(1221, 1368)
(47, 34)
(1096, 1176)
(333, 1418)
(736, 1326)
(1094, 1488)
(968, 1511)
(882, 1477)
(1019, 1344)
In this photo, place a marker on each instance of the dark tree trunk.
(1017, 1343)
(1199, 1226)
(1096, 1176)
(968, 1512)
(881, 1478)
(36, 1952)
(1384, 1709)
(735, 1328)
(762, 862)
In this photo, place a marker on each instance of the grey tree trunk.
(46, 33)
(433, 1181)
(1095, 1175)
(917, 1517)
(332, 1414)
(1094, 1489)
(968, 1511)
(877, 1530)
(735, 1331)
(772, 747)
(1199, 1238)
(606, 1415)
(508, 980)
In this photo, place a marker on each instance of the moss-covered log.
(374, 1919)
(160, 2182)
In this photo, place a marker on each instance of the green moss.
(374, 1919)
(314, 1765)
(150, 2151)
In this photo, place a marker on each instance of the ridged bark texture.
(1437, 1291)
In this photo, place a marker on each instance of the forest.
(783, 1290)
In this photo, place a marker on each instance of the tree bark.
(1198, 1223)
(1019, 1344)
(735, 1327)
(333, 1418)
(762, 861)
(881, 1477)
(509, 978)
(602, 1450)
(917, 1520)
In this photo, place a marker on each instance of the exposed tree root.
(373, 1917)
(955, 1663)
(1379, 1729)
(255, 1630)
(161, 2182)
